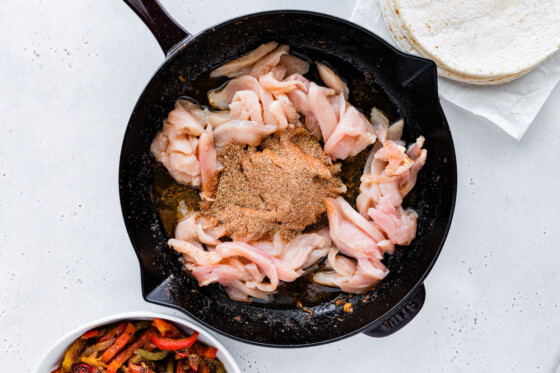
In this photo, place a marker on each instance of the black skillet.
(409, 89)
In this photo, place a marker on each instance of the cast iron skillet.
(409, 84)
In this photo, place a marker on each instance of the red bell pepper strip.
(113, 333)
(139, 369)
(170, 344)
(181, 367)
(90, 334)
(166, 329)
(142, 342)
(119, 343)
(205, 351)
(72, 355)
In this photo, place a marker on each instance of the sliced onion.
(371, 155)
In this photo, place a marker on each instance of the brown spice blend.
(278, 187)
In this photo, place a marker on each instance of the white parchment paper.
(512, 106)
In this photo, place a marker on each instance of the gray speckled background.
(70, 73)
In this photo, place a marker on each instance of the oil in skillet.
(174, 199)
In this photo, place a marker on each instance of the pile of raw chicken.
(268, 94)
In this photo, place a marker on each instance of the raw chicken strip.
(182, 122)
(339, 263)
(243, 65)
(294, 65)
(215, 118)
(351, 276)
(376, 182)
(261, 259)
(190, 230)
(223, 98)
(338, 104)
(193, 109)
(208, 161)
(370, 193)
(243, 267)
(275, 86)
(178, 156)
(352, 135)
(322, 109)
(240, 292)
(399, 162)
(268, 62)
(274, 268)
(301, 102)
(332, 80)
(386, 186)
(283, 111)
(301, 79)
(195, 253)
(396, 188)
(419, 155)
(242, 132)
(352, 234)
(176, 145)
(397, 223)
(298, 251)
(222, 273)
(245, 105)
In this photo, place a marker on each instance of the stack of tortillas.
(476, 41)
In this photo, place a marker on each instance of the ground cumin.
(278, 187)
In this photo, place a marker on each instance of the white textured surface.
(70, 73)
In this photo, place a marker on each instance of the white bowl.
(52, 358)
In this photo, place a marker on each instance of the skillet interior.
(410, 86)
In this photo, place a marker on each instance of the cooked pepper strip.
(135, 359)
(90, 334)
(170, 344)
(98, 347)
(113, 333)
(194, 361)
(205, 351)
(72, 354)
(149, 355)
(142, 324)
(119, 343)
(139, 369)
(120, 359)
(166, 329)
(181, 367)
(169, 365)
(93, 361)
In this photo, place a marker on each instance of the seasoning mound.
(278, 187)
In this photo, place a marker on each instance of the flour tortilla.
(398, 32)
(403, 39)
(491, 39)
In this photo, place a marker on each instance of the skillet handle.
(166, 30)
(396, 321)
